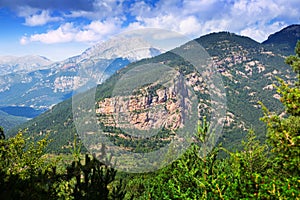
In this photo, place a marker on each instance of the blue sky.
(59, 29)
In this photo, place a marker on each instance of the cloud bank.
(95, 20)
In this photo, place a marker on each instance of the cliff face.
(151, 107)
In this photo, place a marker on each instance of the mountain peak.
(133, 48)
(288, 36)
(223, 36)
(9, 64)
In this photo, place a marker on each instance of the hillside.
(285, 39)
(10, 121)
(248, 70)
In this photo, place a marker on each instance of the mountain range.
(24, 64)
(248, 70)
(35, 84)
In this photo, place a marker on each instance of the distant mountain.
(14, 64)
(285, 39)
(248, 69)
(132, 49)
(36, 84)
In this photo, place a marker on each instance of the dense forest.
(260, 170)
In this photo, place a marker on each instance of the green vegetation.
(10, 121)
(26, 172)
(260, 169)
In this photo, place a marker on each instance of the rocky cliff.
(152, 106)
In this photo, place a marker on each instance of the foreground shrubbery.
(26, 172)
(260, 171)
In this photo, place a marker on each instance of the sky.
(58, 29)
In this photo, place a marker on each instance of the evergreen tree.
(284, 135)
(2, 136)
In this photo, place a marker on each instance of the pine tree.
(284, 134)
(2, 136)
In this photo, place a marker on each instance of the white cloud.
(75, 14)
(36, 17)
(95, 31)
(253, 18)
(64, 33)
(189, 25)
(140, 8)
(25, 11)
(202, 8)
(77, 29)
(258, 19)
(102, 10)
(262, 33)
(24, 40)
(41, 19)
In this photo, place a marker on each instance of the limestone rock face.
(165, 107)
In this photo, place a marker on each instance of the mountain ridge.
(248, 69)
(9, 121)
(49, 85)
(17, 64)
(285, 39)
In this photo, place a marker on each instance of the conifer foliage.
(26, 172)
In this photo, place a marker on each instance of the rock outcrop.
(151, 107)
